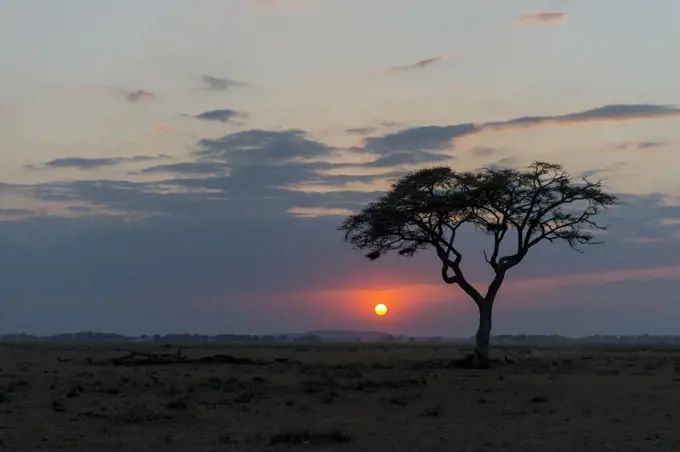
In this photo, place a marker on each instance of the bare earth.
(340, 397)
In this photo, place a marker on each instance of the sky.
(175, 166)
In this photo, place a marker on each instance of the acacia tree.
(517, 209)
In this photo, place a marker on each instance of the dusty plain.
(344, 397)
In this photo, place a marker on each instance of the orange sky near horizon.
(403, 299)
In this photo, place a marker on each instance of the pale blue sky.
(100, 90)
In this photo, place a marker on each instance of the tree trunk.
(480, 357)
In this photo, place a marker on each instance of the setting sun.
(381, 309)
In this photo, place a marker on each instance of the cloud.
(257, 146)
(252, 171)
(606, 113)
(220, 84)
(542, 18)
(415, 145)
(427, 138)
(422, 64)
(188, 168)
(84, 164)
(361, 130)
(650, 144)
(132, 95)
(642, 145)
(369, 129)
(428, 144)
(224, 116)
(139, 94)
(432, 144)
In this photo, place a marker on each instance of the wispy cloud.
(224, 115)
(361, 130)
(262, 147)
(136, 95)
(369, 129)
(220, 84)
(606, 113)
(650, 144)
(422, 64)
(430, 144)
(84, 164)
(643, 145)
(187, 168)
(132, 96)
(542, 18)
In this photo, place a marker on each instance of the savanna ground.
(340, 397)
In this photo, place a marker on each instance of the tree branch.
(454, 265)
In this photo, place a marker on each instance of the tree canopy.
(426, 208)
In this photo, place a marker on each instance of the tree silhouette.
(426, 209)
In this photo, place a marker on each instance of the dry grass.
(346, 398)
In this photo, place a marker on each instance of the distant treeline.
(89, 336)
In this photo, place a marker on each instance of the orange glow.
(380, 309)
(408, 301)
